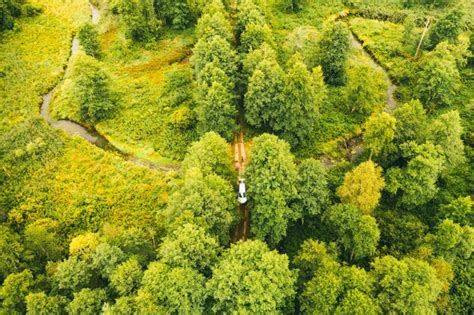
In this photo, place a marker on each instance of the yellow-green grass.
(33, 56)
(385, 41)
(138, 73)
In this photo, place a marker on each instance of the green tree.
(177, 290)
(379, 133)
(88, 37)
(453, 241)
(366, 88)
(254, 36)
(446, 131)
(42, 238)
(447, 27)
(264, 97)
(9, 9)
(459, 210)
(139, 19)
(248, 13)
(357, 303)
(14, 290)
(210, 198)
(12, 252)
(72, 274)
(362, 187)
(214, 48)
(407, 286)
(271, 176)
(177, 13)
(312, 187)
(409, 36)
(217, 112)
(126, 278)
(417, 181)
(335, 47)
(214, 24)
(438, 79)
(87, 301)
(251, 279)
(41, 304)
(411, 123)
(314, 255)
(106, 258)
(357, 234)
(189, 246)
(255, 57)
(333, 289)
(298, 117)
(91, 88)
(212, 155)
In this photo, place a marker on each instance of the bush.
(9, 9)
(88, 38)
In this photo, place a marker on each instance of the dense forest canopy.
(236, 156)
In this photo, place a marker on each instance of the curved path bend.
(88, 134)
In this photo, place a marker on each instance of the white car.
(242, 195)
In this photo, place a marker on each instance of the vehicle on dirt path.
(242, 194)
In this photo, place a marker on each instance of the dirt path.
(240, 158)
(88, 134)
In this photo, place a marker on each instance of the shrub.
(88, 38)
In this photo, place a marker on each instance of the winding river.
(88, 134)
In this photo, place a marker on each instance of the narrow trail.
(88, 134)
(242, 229)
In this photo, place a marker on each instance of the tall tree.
(177, 290)
(379, 133)
(212, 155)
(87, 301)
(362, 186)
(88, 37)
(40, 303)
(254, 36)
(335, 46)
(139, 19)
(411, 122)
(214, 48)
(405, 286)
(417, 181)
(271, 176)
(248, 13)
(447, 27)
(126, 278)
(264, 97)
(357, 234)
(366, 89)
(214, 24)
(14, 290)
(234, 287)
(217, 112)
(91, 89)
(446, 131)
(189, 246)
(312, 186)
(209, 198)
(438, 78)
(298, 117)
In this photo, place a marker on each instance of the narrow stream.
(90, 135)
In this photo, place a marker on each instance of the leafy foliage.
(271, 176)
(334, 46)
(362, 186)
(88, 37)
(233, 286)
